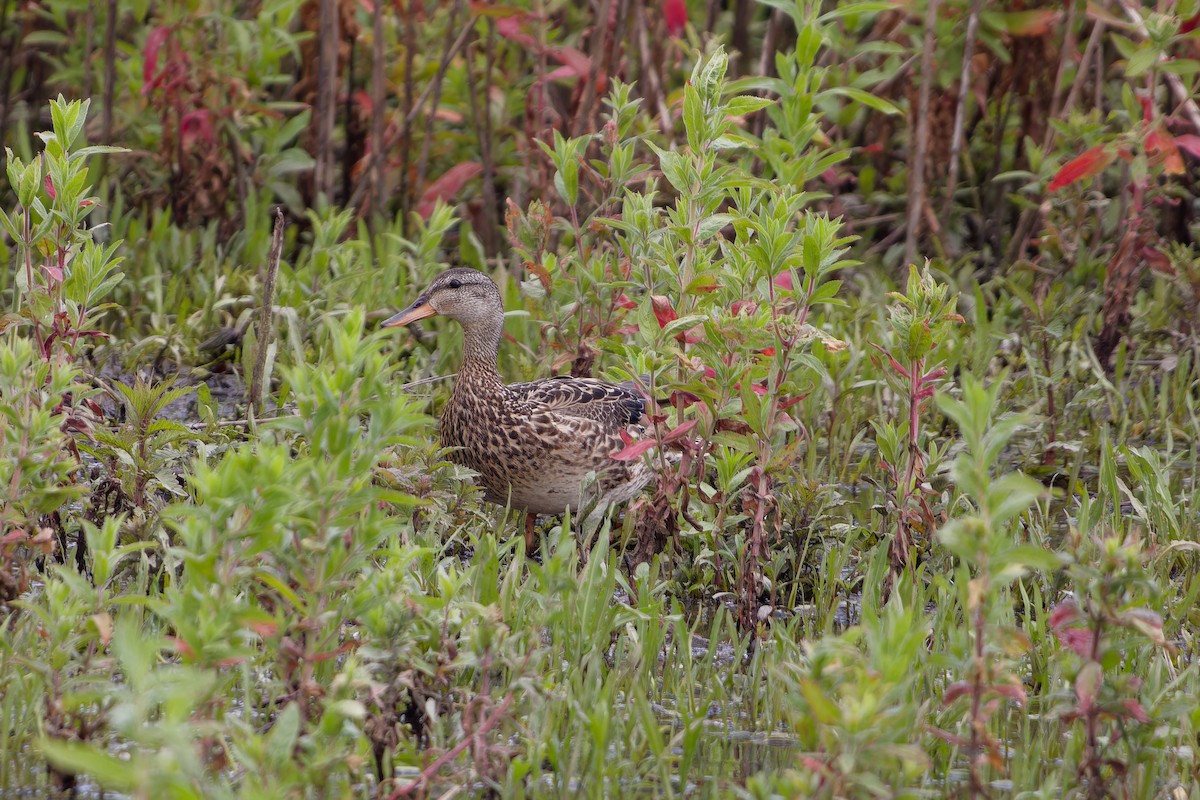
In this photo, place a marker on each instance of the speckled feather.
(533, 444)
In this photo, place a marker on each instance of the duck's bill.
(409, 315)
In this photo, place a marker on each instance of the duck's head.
(465, 295)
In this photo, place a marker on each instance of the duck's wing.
(614, 405)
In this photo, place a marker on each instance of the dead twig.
(266, 317)
(960, 107)
(916, 175)
(378, 87)
(326, 109)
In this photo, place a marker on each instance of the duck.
(531, 445)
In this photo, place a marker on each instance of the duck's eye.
(455, 284)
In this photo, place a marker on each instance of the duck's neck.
(481, 345)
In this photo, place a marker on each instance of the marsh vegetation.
(913, 290)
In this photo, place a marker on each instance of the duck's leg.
(530, 533)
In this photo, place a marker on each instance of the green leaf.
(866, 98)
(746, 104)
(843, 10)
(282, 738)
(76, 758)
(1140, 61)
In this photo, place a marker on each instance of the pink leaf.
(1077, 640)
(576, 61)
(680, 431)
(630, 452)
(676, 16)
(1064, 614)
(623, 301)
(682, 399)
(749, 306)
(788, 402)
(50, 187)
(1087, 685)
(1162, 145)
(663, 311)
(1012, 691)
(196, 125)
(1134, 709)
(447, 186)
(510, 28)
(954, 691)
(1189, 143)
(154, 43)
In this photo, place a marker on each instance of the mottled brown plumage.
(533, 444)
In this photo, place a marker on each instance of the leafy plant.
(991, 559)
(919, 320)
(62, 272)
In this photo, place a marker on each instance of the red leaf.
(1147, 108)
(954, 691)
(183, 647)
(1190, 24)
(623, 301)
(196, 125)
(447, 186)
(682, 399)
(1092, 162)
(675, 14)
(1063, 614)
(749, 306)
(1012, 691)
(630, 452)
(679, 431)
(767, 351)
(264, 628)
(1157, 260)
(154, 43)
(1162, 145)
(1077, 640)
(575, 61)
(1189, 143)
(934, 374)
(663, 311)
(541, 273)
(510, 28)
(1134, 709)
(1087, 685)
(50, 187)
(17, 535)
